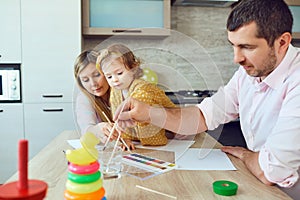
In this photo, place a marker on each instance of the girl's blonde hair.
(83, 60)
(123, 54)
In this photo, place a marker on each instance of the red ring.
(84, 169)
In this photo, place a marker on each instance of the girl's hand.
(129, 144)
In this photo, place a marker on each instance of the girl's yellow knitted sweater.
(149, 93)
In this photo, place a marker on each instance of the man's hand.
(250, 159)
(130, 112)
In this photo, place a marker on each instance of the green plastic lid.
(225, 188)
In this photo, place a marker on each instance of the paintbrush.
(111, 132)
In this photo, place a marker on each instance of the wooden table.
(50, 165)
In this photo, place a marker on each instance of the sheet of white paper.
(178, 146)
(204, 159)
(74, 143)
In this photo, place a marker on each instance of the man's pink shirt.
(269, 113)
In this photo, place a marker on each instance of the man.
(264, 93)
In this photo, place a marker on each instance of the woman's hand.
(107, 128)
(99, 130)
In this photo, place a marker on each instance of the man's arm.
(250, 159)
(186, 120)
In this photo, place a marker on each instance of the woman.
(92, 100)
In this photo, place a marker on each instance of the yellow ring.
(84, 188)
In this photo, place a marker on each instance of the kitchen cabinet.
(11, 131)
(296, 25)
(43, 121)
(10, 35)
(129, 17)
(293, 2)
(51, 41)
(294, 6)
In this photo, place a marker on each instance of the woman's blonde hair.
(122, 53)
(83, 60)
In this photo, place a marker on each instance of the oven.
(10, 83)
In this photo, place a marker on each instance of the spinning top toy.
(23, 189)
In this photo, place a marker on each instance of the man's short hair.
(272, 17)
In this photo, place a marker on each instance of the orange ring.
(99, 194)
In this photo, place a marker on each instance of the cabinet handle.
(52, 95)
(53, 109)
(127, 31)
(1, 110)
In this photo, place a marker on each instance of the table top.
(50, 165)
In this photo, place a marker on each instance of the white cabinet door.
(51, 40)
(11, 131)
(10, 34)
(43, 122)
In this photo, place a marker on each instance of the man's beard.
(268, 65)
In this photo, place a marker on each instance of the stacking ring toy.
(99, 194)
(84, 169)
(88, 178)
(80, 156)
(84, 188)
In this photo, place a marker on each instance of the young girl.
(122, 71)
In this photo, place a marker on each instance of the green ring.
(86, 178)
(225, 188)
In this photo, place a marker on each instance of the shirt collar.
(280, 73)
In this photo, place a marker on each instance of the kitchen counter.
(189, 96)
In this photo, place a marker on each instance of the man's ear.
(283, 42)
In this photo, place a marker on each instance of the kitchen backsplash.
(196, 55)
